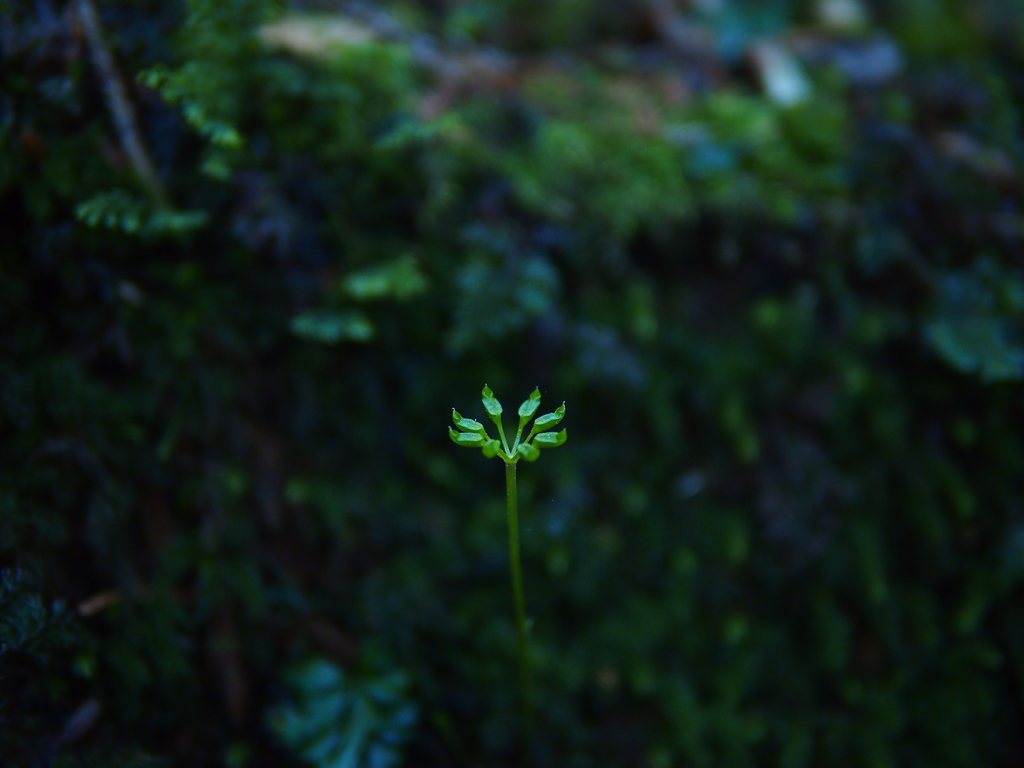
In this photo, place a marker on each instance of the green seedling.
(473, 434)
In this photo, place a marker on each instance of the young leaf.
(550, 439)
(491, 404)
(528, 452)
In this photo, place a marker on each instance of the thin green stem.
(517, 592)
(501, 434)
(519, 434)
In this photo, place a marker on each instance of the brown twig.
(121, 109)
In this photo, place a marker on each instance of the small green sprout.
(472, 434)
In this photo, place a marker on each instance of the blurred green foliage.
(335, 722)
(789, 527)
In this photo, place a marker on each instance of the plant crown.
(472, 434)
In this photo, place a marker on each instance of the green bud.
(550, 419)
(491, 404)
(550, 439)
(529, 406)
(472, 434)
(471, 425)
(528, 452)
(468, 439)
(547, 420)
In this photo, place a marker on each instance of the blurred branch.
(121, 109)
(681, 36)
(426, 52)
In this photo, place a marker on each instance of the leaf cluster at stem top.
(473, 434)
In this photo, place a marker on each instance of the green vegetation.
(770, 252)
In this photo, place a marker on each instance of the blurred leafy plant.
(337, 719)
(27, 624)
(330, 327)
(500, 292)
(399, 279)
(975, 321)
(31, 631)
(119, 210)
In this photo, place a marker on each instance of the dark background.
(769, 253)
